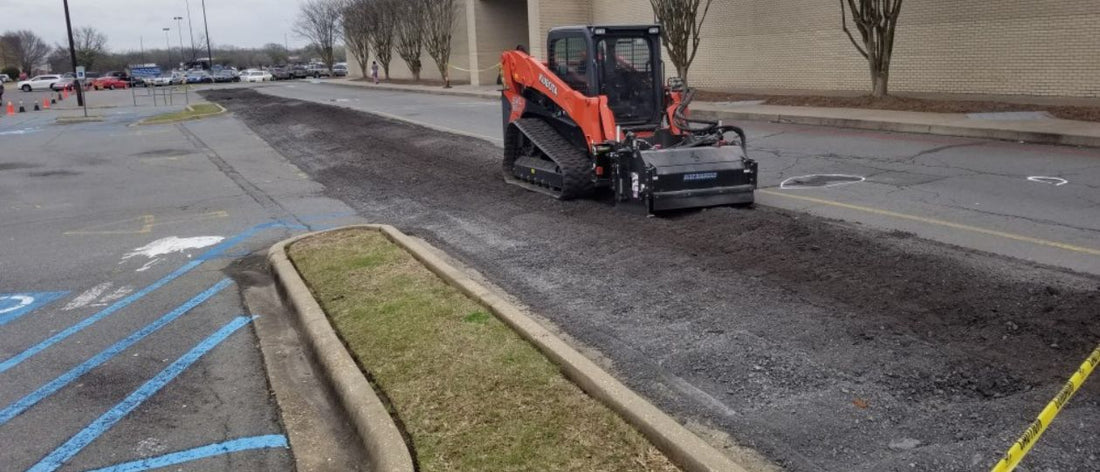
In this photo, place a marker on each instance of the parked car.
(38, 82)
(279, 73)
(199, 77)
(255, 76)
(4, 78)
(340, 70)
(299, 72)
(110, 83)
(161, 80)
(65, 83)
(226, 76)
(317, 71)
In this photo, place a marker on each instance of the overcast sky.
(243, 23)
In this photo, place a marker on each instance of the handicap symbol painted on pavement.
(14, 305)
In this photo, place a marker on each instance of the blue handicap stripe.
(21, 405)
(14, 305)
(270, 441)
(54, 460)
(213, 253)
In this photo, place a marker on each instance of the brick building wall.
(1010, 47)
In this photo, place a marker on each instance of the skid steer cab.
(597, 115)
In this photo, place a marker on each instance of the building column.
(471, 38)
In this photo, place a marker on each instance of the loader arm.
(526, 78)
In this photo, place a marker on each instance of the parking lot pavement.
(122, 337)
(1033, 202)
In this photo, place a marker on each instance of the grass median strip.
(191, 112)
(471, 394)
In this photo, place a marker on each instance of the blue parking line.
(21, 405)
(214, 252)
(54, 460)
(19, 304)
(270, 441)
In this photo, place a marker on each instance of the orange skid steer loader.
(597, 115)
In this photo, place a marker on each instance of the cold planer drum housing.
(657, 179)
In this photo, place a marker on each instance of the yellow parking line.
(947, 224)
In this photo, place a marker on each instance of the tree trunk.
(446, 77)
(880, 81)
(363, 67)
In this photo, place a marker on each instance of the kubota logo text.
(548, 84)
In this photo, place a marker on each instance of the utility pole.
(206, 26)
(168, 44)
(142, 42)
(190, 29)
(179, 29)
(72, 55)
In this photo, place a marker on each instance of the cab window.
(569, 61)
(625, 67)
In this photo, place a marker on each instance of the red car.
(109, 83)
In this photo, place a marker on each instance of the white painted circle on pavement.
(820, 181)
(1055, 181)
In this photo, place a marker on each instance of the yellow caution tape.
(1023, 445)
(480, 70)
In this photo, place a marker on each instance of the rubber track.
(575, 165)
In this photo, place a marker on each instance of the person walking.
(374, 71)
(1, 93)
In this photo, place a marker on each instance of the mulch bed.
(904, 104)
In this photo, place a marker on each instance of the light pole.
(179, 29)
(168, 44)
(72, 55)
(206, 26)
(190, 30)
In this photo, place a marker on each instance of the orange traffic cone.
(11, 109)
(46, 103)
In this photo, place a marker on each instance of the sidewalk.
(1020, 127)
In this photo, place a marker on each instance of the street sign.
(80, 72)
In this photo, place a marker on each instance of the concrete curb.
(993, 131)
(1005, 134)
(417, 89)
(682, 446)
(385, 447)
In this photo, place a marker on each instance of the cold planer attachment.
(597, 115)
(674, 179)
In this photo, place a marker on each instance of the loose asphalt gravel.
(821, 344)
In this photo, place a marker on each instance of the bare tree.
(90, 45)
(319, 22)
(681, 22)
(409, 26)
(357, 24)
(25, 49)
(382, 30)
(277, 52)
(439, 25)
(876, 21)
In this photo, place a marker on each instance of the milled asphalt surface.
(823, 344)
(74, 201)
(958, 182)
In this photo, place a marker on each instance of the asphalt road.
(968, 192)
(822, 344)
(122, 336)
